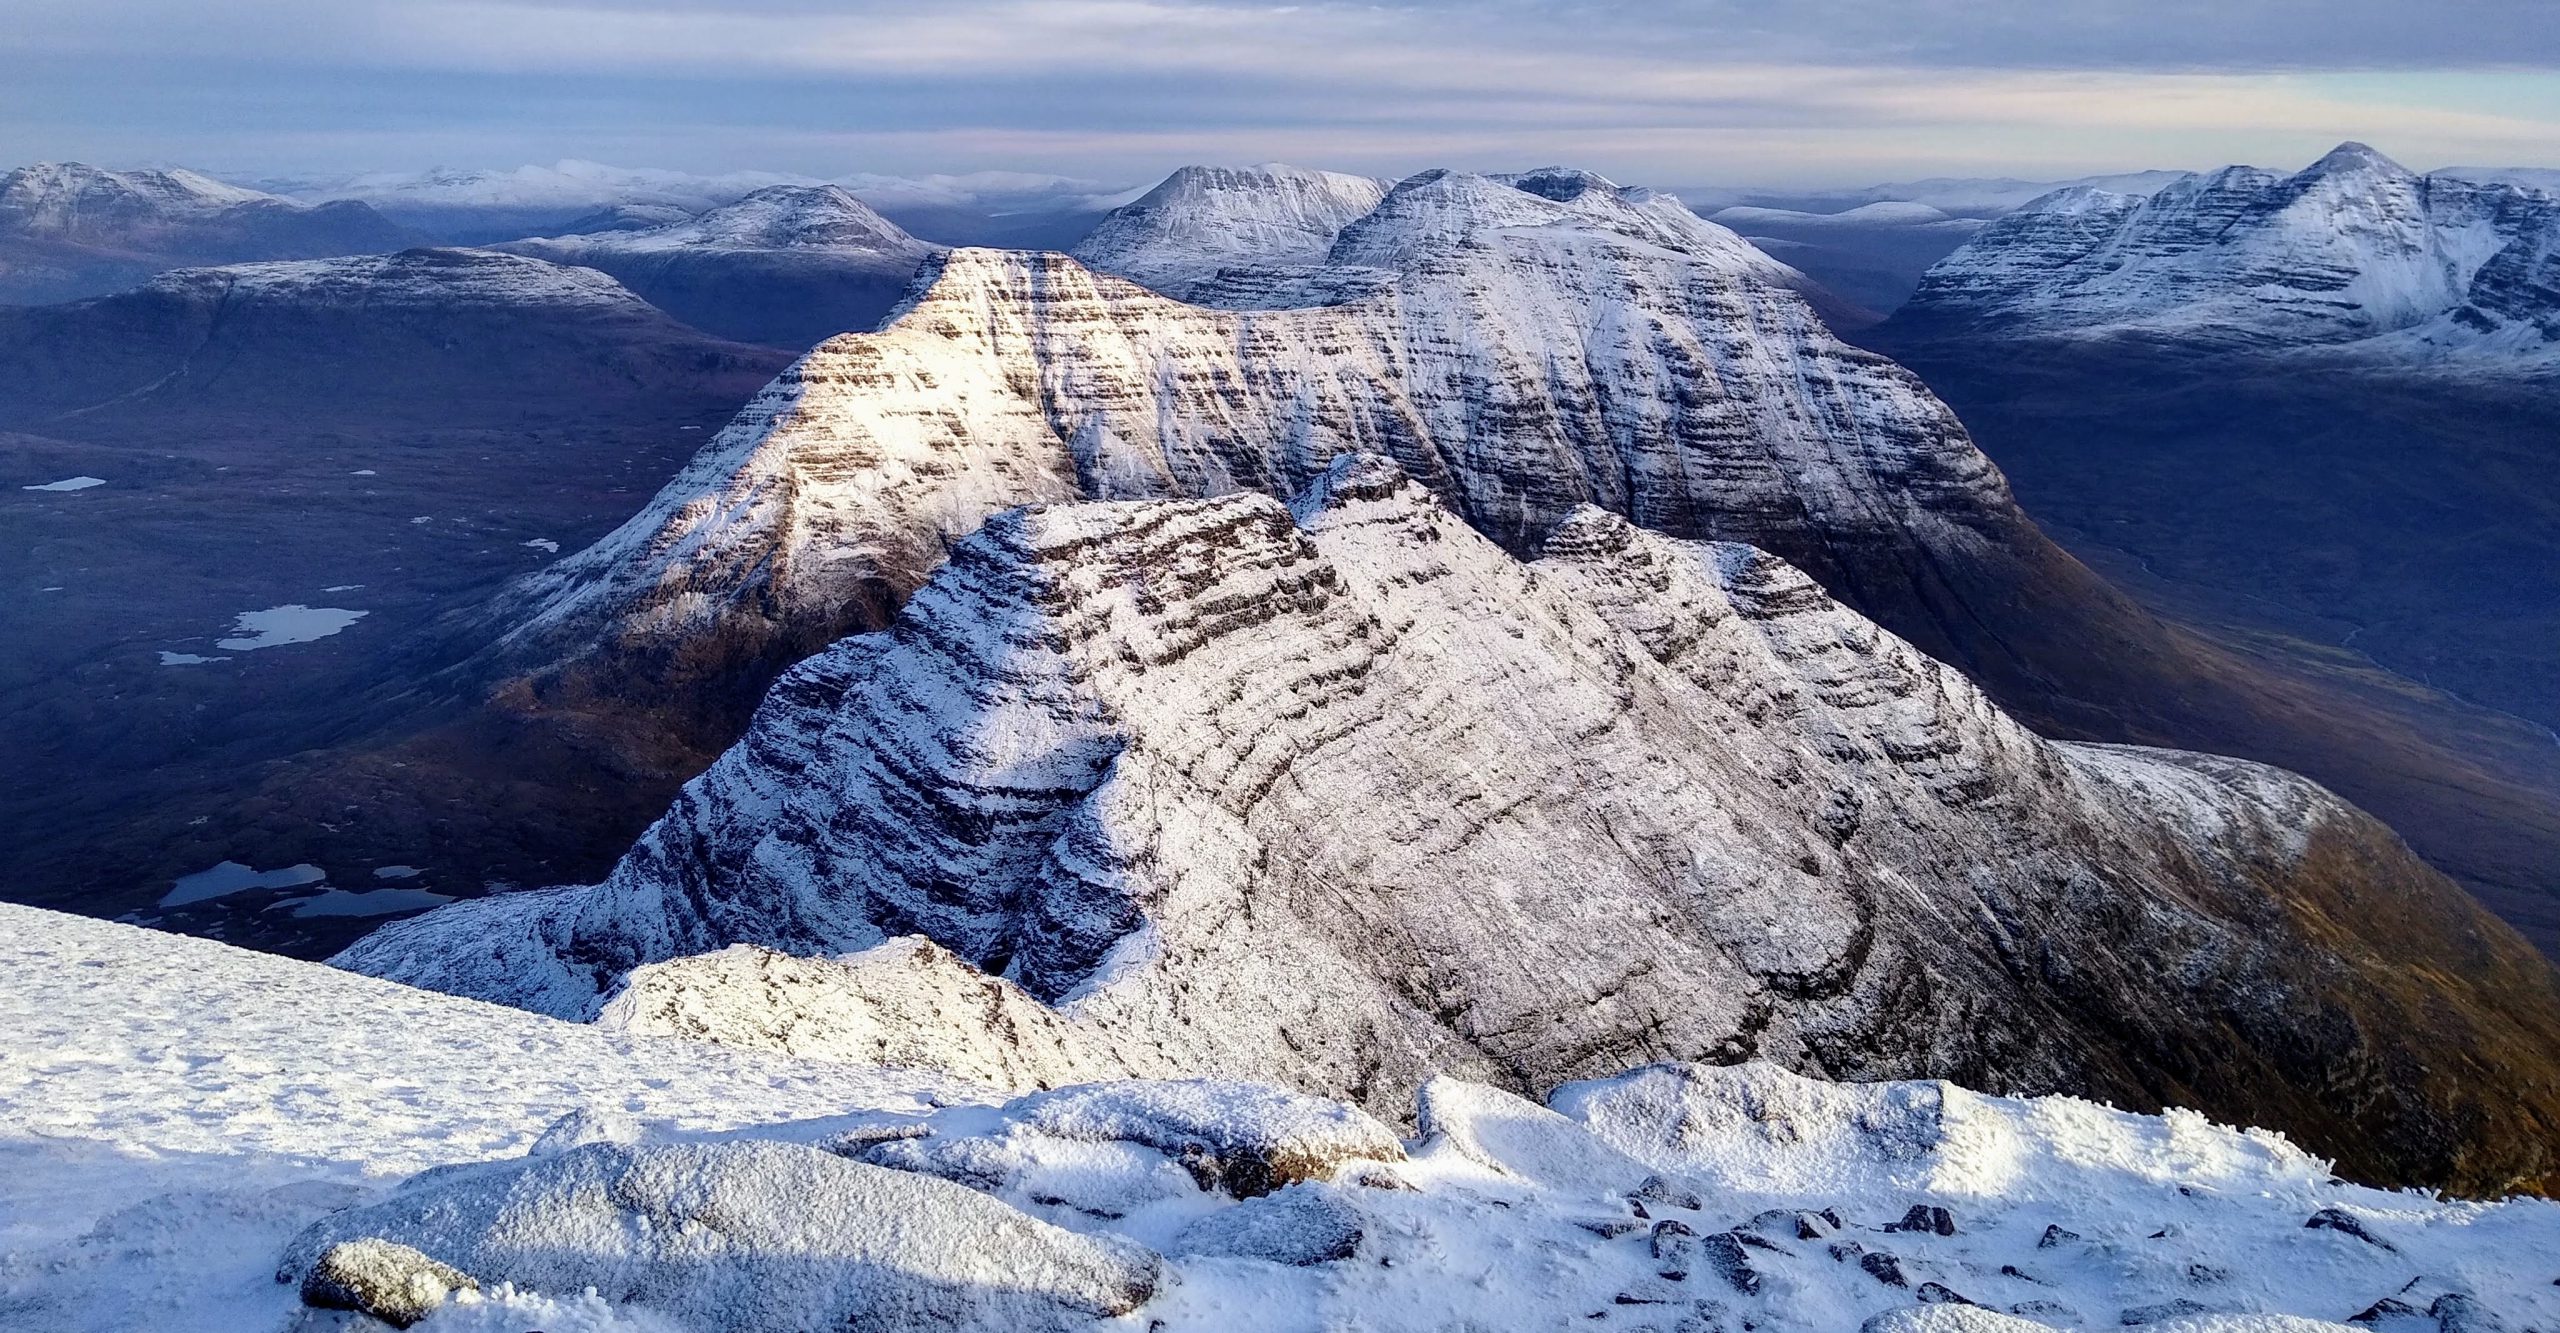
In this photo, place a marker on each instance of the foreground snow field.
(178, 1118)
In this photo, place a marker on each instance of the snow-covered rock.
(174, 1113)
(389, 1281)
(753, 1237)
(1348, 796)
(2351, 249)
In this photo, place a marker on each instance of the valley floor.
(174, 1111)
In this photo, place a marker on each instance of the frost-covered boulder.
(1302, 1225)
(1246, 1138)
(391, 1282)
(750, 1237)
(1105, 1148)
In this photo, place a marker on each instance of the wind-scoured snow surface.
(2352, 250)
(1347, 795)
(181, 1122)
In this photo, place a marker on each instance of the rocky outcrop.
(1347, 795)
(391, 1282)
(2352, 249)
(787, 266)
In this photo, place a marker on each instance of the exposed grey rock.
(1884, 1267)
(1939, 1293)
(1928, 1218)
(1658, 1190)
(2338, 1220)
(2055, 1234)
(388, 1281)
(1728, 1255)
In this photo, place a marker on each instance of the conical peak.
(2353, 157)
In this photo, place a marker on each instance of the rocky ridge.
(1345, 794)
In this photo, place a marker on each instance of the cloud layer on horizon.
(1817, 91)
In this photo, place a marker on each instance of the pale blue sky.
(1675, 91)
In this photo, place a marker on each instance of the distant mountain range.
(476, 207)
(788, 265)
(69, 230)
(2353, 251)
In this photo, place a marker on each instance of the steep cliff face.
(2354, 247)
(1346, 794)
(786, 266)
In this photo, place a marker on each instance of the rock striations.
(2354, 249)
(1523, 346)
(1343, 793)
(788, 265)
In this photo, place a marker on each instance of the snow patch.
(68, 484)
(290, 623)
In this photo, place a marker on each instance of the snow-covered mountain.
(2354, 249)
(1202, 219)
(483, 206)
(1959, 196)
(1344, 794)
(477, 206)
(393, 334)
(1521, 353)
(180, 1120)
(68, 230)
(789, 265)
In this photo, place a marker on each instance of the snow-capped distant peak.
(788, 217)
(66, 197)
(1204, 217)
(2354, 249)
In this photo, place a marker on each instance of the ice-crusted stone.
(749, 1236)
(391, 1282)
(1300, 1226)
